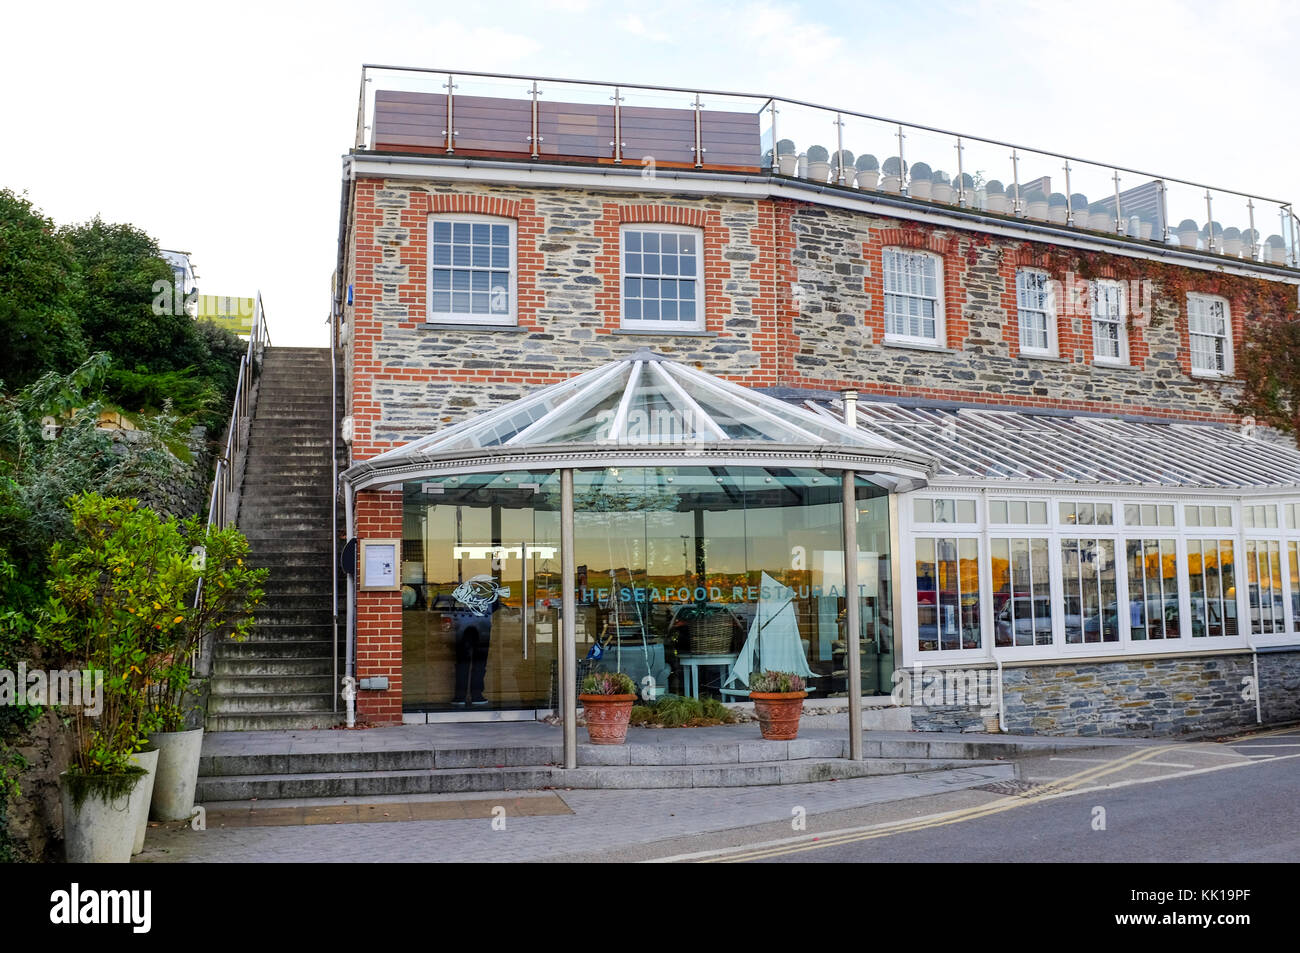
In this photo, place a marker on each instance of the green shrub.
(776, 682)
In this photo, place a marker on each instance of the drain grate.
(1013, 786)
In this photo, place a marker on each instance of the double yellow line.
(1051, 789)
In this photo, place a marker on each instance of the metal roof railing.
(600, 122)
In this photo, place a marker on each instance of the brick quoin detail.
(609, 265)
(379, 615)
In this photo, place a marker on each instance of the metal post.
(1069, 198)
(1295, 252)
(1250, 210)
(1015, 182)
(618, 127)
(776, 160)
(1164, 211)
(852, 615)
(568, 624)
(534, 139)
(902, 164)
(1119, 215)
(450, 131)
(699, 144)
(839, 147)
(1209, 222)
(961, 176)
(361, 111)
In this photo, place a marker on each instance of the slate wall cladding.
(1140, 697)
(793, 298)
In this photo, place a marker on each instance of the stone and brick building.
(1049, 481)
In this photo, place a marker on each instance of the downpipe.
(349, 635)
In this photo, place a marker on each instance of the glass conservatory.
(648, 518)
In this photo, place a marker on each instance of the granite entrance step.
(524, 756)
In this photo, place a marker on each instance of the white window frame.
(1226, 336)
(661, 325)
(1120, 321)
(507, 318)
(1049, 314)
(940, 324)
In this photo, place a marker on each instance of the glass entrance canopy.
(646, 410)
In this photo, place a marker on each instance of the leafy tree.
(119, 265)
(39, 326)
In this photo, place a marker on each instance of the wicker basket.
(712, 634)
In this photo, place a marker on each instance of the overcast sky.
(218, 127)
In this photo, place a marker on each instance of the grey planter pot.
(868, 179)
(177, 775)
(142, 795)
(100, 831)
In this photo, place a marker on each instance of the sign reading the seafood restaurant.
(713, 593)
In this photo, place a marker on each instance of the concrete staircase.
(282, 677)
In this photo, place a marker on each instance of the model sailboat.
(773, 643)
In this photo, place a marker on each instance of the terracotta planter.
(778, 713)
(607, 717)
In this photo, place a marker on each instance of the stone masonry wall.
(793, 298)
(1140, 697)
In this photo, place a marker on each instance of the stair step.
(275, 683)
(283, 649)
(251, 665)
(270, 703)
(436, 781)
(273, 721)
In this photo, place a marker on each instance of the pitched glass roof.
(984, 445)
(641, 401)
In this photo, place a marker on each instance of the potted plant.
(1079, 210)
(920, 181)
(1188, 233)
(941, 187)
(1212, 234)
(868, 172)
(996, 197)
(894, 169)
(223, 603)
(1036, 204)
(106, 615)
(1275, 249)
(142, 795)
(778, 703)
(963, 187)
(819, 166)
(1140, 227)
(842, 170)
(787, 157)
(1232, 242)
(1100, 217)
(607, 699)
(1058, 208)
(1250, 243)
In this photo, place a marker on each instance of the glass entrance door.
(480, 571)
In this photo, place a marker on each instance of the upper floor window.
(1109, 329)
(472, 269)
(913, 311)
(1207, 324)
(1037, 307)
(663, 287)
